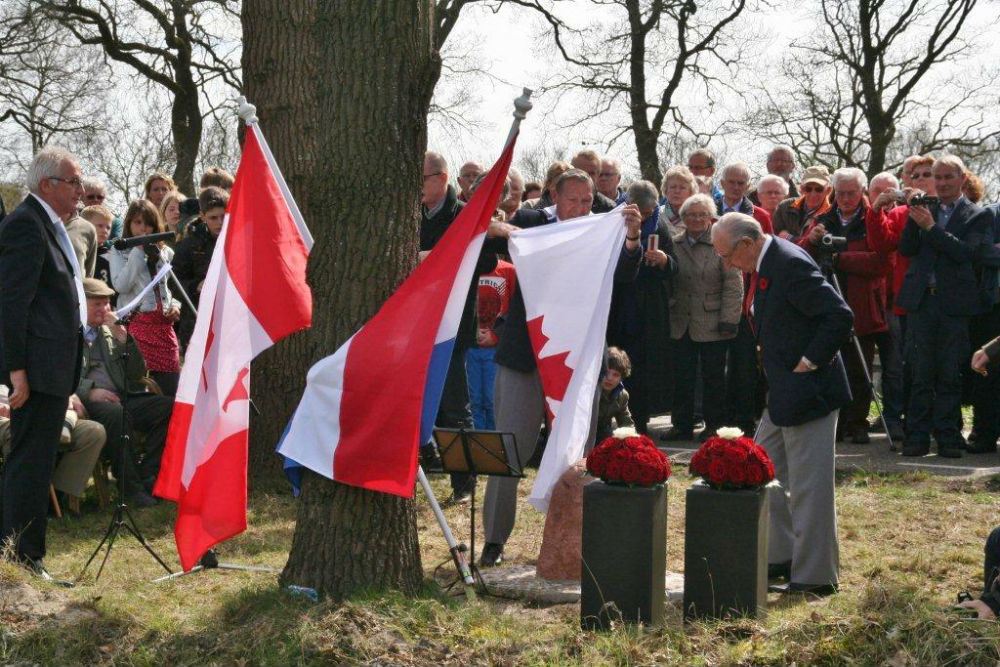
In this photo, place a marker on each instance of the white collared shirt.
(67, 247)
(763, 251)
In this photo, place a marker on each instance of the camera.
(925, 200)
(831, 243)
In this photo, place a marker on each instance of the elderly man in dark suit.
(42, 308)
(940, 293)
(800, 322)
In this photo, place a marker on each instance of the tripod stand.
(832, 275)
(121, 519)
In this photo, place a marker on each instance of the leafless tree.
(51, 89)
(865, 87)
(644, 56)
(184, 46)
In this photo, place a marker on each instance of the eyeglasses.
(696, 216)
(921, 174)
(436, 173)
(813, 188)
(731, 252)
(72, 182)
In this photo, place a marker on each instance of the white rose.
(729, 433)
(624, 432)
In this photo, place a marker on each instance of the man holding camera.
(861, 274)
(940, 293)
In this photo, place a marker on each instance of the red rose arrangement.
(730, 460)
(628, 458)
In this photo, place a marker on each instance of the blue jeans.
(482, 372)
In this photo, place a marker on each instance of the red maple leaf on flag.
(554, 372)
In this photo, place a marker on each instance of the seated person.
(79, 446)
(103, 386)
(613, 404)
(988, 604)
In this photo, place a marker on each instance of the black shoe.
(779, 570)
(860, 438)
(458, 498)
(492, 555)
(37, 568)
(140, 498)
(792, 588)
(954, 452)
(673, 434)
(916, 449)
(983, 447)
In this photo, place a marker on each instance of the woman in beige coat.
(704, 317)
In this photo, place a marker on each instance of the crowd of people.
(903, 266)
(92, 334)
(906, 268)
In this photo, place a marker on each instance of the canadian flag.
(566, 272)
(254, 294)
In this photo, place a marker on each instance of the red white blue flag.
(254, 294)
(368, 407)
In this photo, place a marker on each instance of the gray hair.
(681, 173)
(573, 175)
(614, 162)
(781, 148)
(94, 184)
(737, 226)
(734, 166)
(952, 161)
(697, 200)
(885, 176)
(643, 194)
(514, 175)
(845, 174)
(46, 164)
(436, 161)
(773, 178)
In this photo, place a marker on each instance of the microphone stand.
(122, 518)
(209, 561)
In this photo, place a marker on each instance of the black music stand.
(489, 453)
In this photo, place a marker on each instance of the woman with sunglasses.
(794, 215)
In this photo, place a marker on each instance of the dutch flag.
(368, 407)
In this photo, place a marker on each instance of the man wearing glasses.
(800, 322)
(42, 308)
(95, 194)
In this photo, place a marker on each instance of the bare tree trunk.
(342, 91)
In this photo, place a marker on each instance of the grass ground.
(908, 544)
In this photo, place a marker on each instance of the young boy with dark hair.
(614, 397)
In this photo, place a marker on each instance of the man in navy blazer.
(42, 308)
(940, 293)
(800, 323)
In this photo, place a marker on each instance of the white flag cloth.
(566, 272)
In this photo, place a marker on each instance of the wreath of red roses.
(632, 460)
(737, 463)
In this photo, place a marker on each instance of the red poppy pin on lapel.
(762, 283)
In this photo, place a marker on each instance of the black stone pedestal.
(725, 552)
(624, 555)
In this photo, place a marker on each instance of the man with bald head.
(589, 162)
(467, 175)
(42, 310)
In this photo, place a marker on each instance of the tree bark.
(342, 91)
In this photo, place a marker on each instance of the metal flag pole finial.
(248, 112)
(522, 105)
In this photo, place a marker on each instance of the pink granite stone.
(559, 558)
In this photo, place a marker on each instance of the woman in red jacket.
(861, 272)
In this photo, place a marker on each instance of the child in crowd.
(614, 396)
(101, 217)
(194, 252)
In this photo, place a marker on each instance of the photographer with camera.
(838, 240)
(944, 241)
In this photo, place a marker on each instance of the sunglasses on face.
(813, 188)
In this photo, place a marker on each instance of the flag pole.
(522, 105)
